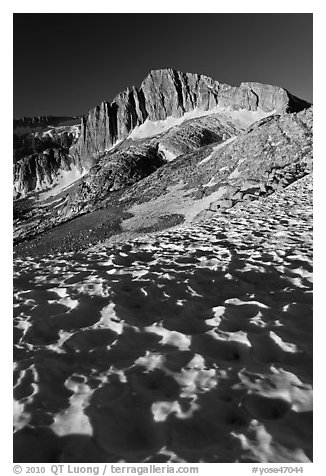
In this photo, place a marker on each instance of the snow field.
(192, 344)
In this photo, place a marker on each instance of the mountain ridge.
(164, 95)
(198, 124)
(167, 92)
(116, 195)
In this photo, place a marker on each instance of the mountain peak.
(168, 93)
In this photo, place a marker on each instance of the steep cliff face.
(46, 146)
(43, 170)
(41, 152)
(169, 93)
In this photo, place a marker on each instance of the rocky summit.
(163, 277)
(46, 146)
(180, 138)
(168, 93)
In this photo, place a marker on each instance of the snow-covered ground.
(193, 344)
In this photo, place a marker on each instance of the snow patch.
(168, 155)
(73, 420)
(217, 147)
(62, 181)
(242, 118)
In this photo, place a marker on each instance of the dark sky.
(65, 64)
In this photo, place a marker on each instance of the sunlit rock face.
(192, 169)
(44, 147)
(168, 93)
(41, 152)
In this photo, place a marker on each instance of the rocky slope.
(169, 93)
(47, 147)
(206, 173)
(269, 155)
(41, 152)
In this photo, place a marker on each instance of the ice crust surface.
(189, 345)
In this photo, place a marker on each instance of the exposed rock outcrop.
(45, 145)
(169, 93)
(43, 122)
(203, 179)
(113, 172)
(196, 133)
(41, 151)
(35, 134)
(272, 154)
(39, 171)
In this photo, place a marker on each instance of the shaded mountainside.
(34, 134)
(268, 156)
(43, 122)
